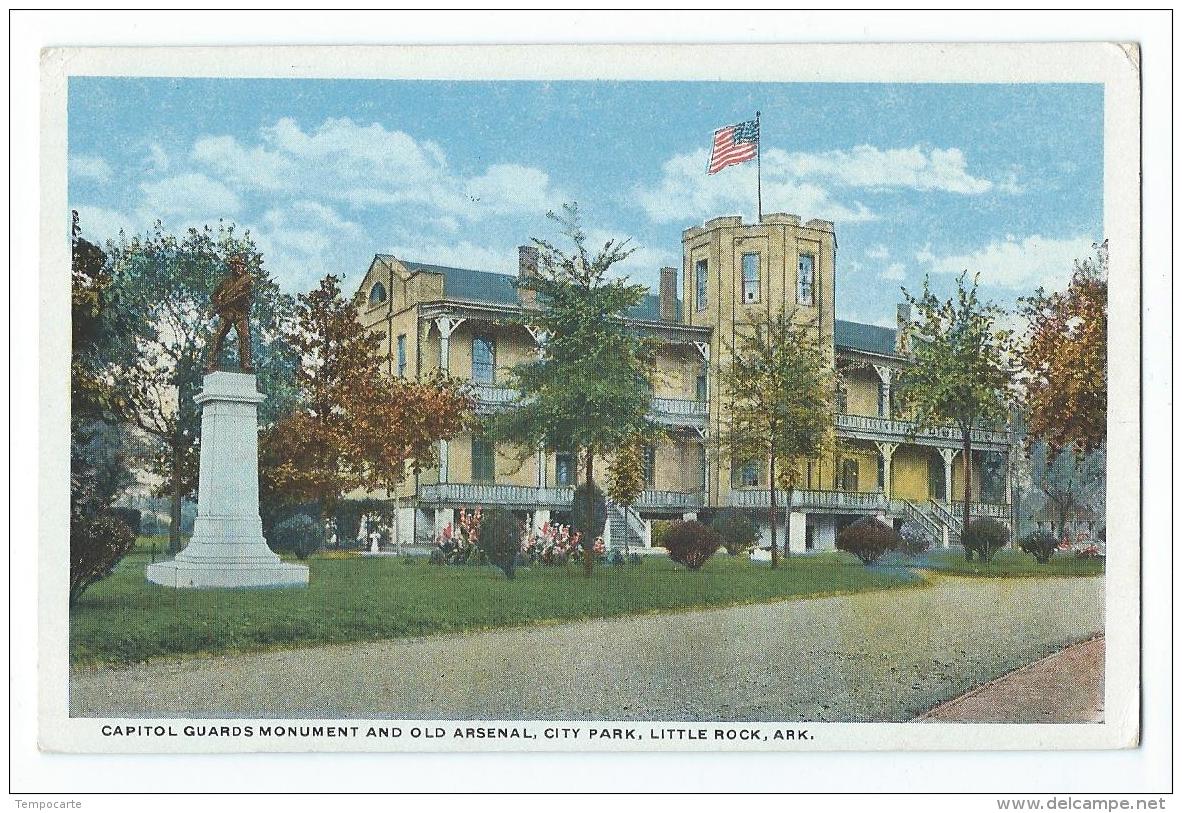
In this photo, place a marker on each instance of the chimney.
(667, 295)
(527, 266)
(902, 319)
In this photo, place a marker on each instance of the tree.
(1064, 357)
(1066, 480)
(627, 478)
(163, 285)
(959, 371)
(589, 388)
(781, 389)
(353, 426)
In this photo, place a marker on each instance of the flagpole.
(758, 170)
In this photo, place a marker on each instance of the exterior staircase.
(933, 520)
(619, 518)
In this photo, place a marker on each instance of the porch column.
(887, 450)
(540, 518)
(443, 516)
(446, 326)
(885, 374)
(541, 464)
(948, 455)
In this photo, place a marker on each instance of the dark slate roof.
(868, 338)
(498, 289)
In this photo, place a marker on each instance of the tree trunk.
(771, 516)
(588, 540)
(968, 480)
(174, 518)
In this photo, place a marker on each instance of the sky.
(919, 179)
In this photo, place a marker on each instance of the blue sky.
(919, 179)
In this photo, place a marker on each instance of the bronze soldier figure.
(231, 304)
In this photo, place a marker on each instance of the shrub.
(589, 528)
(1089, 552)
(97, 543)
(738, 532)
(500, 540)
(912, 540)
(459, 543)
(984, 537)
(1039, 544)
(438, 557)
(868, 539)
(299, 534)
(616, 558)
(691, 543)
(660, 529)
(635, 559)
(131, 517)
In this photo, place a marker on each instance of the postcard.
(590, 398)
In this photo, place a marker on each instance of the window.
(377, 294)
(805, 288)
(650, 466)
(484, 360)
(750, 278)
(564, 469)
(700, 388)
(402, 355)
(746, 475)
(483, 462)
(701, 276)
(849, 475)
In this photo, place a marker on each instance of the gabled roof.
(469, 285)
(867, 338)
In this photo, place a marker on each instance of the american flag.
(734, 144)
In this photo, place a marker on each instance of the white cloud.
(306, 240)
(157, 159)
(869, 167)
(895, 272)
(90, 167)
(878, 252)
(1022, 263)
(686, 192)
(191, 194)
(100, 224)
(370, 166)
(925, 255)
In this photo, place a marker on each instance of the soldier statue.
(231, 304)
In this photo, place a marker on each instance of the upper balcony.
(865, 427)
(668, 411)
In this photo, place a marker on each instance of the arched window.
(377, 294)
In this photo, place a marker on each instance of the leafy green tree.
(589, 388)
(780, 387)
(1066, 480)
(959, 372)
(163, 285)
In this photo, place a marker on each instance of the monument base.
(204, 575)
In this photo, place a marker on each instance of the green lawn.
(124, 619)
(1010, 563)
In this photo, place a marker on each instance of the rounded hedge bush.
(912, 540)
(660, 529)
(500, 540)
(298, 534)
(868, 539)
(691, 543)
(984, 537)
(738, 532)
(1039, 544)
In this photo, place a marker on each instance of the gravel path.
(1067, 687)
(884, 656)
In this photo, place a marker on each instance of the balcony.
(851, 502)
(530, 497)
(865, 427)
(669, 411)
(809, 499)
(678, 412)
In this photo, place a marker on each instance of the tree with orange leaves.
(354, 427)
(1064, 357)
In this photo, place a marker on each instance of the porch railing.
(679, 411)
(512, 496)
(811, 498)
(873, 428)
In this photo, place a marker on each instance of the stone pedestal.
(227, 548)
